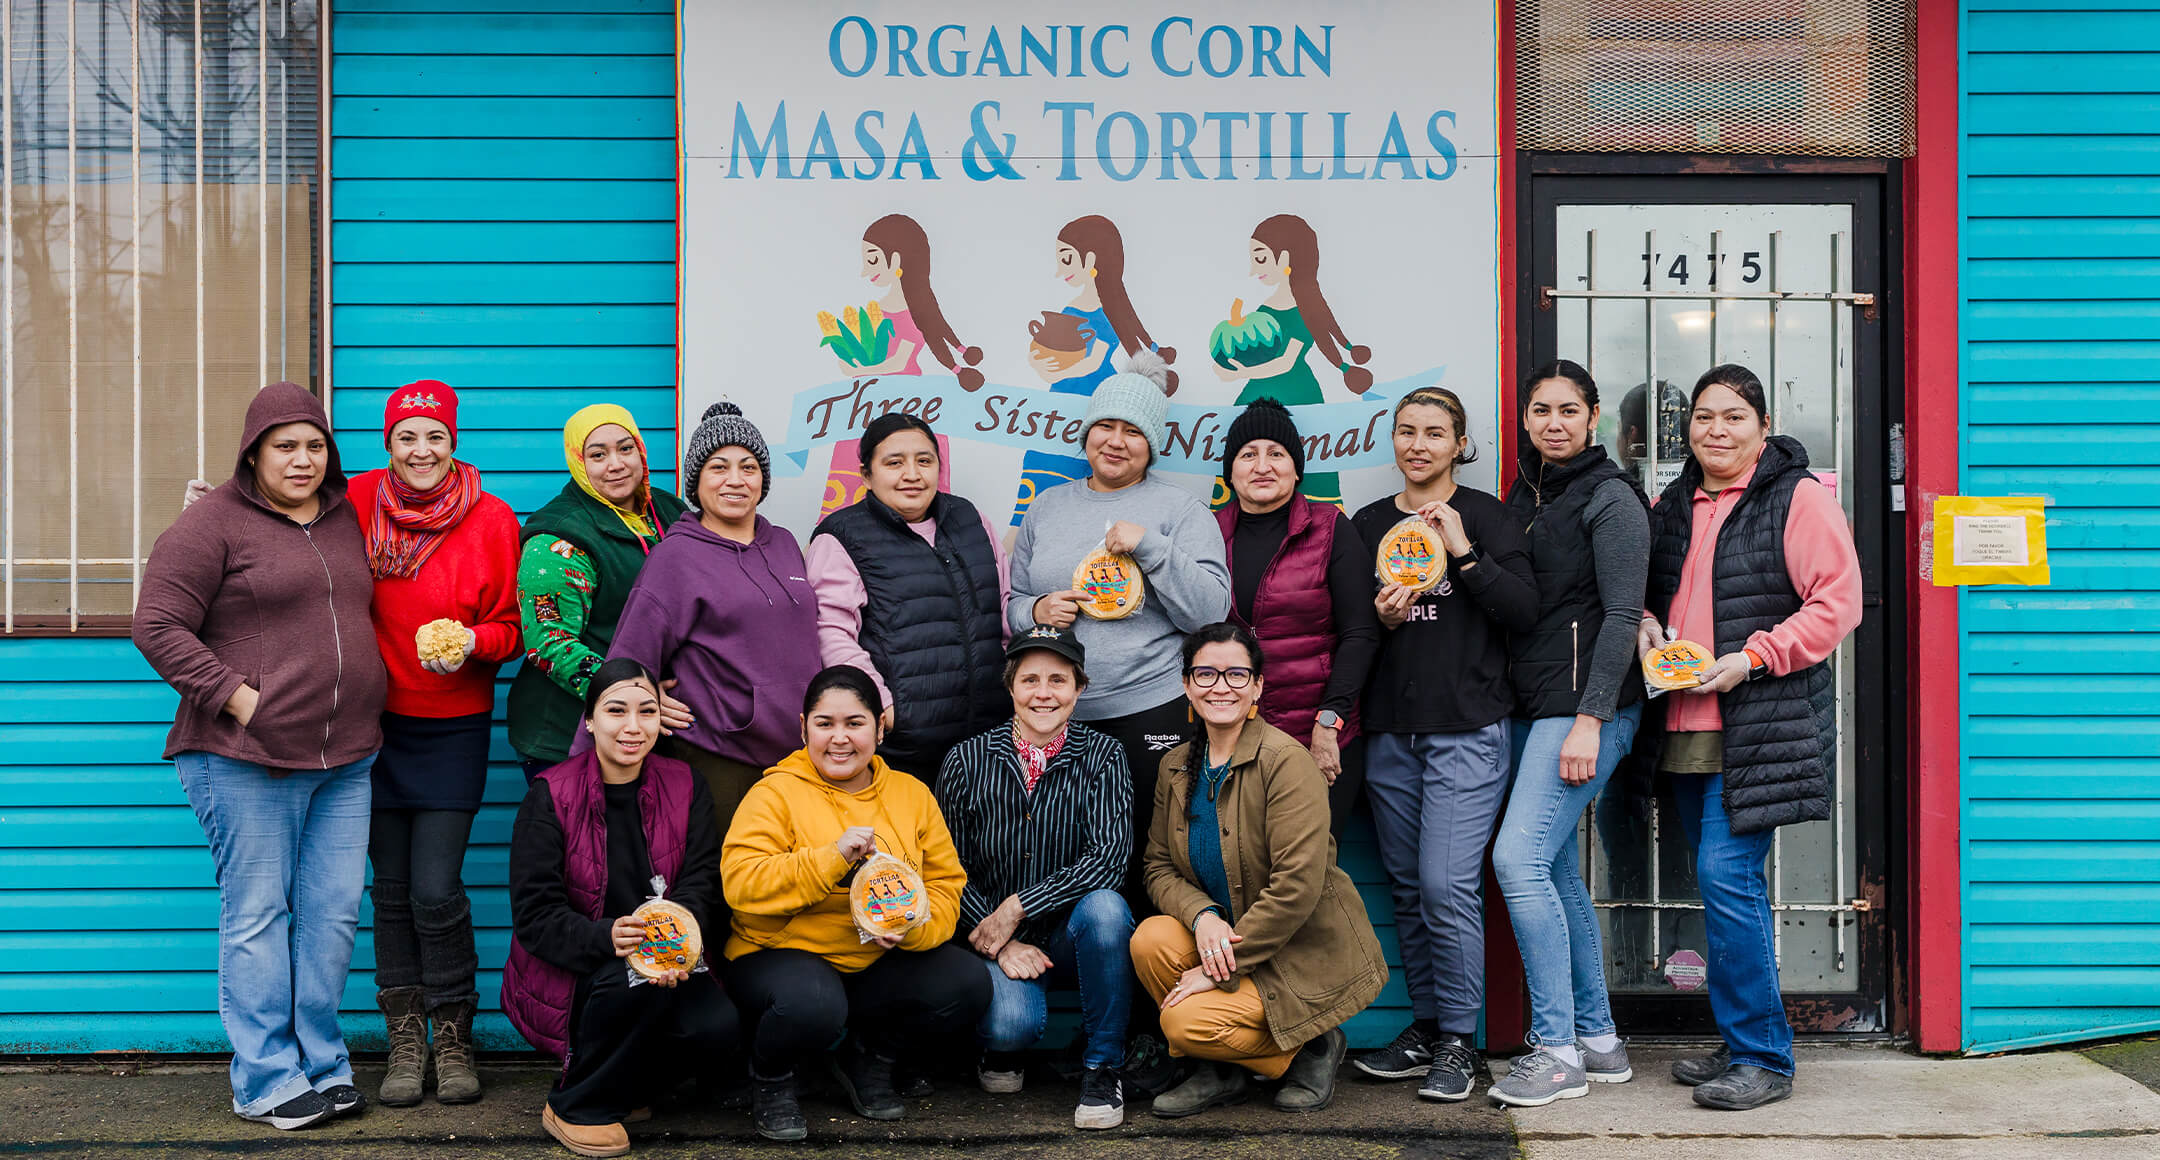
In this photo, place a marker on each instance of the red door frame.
(1932, 931)
(1934, 922)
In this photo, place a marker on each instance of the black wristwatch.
(1758, 670)
(1465, 560)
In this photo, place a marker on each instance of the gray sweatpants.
(1435, 799)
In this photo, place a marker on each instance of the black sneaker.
(1001, 1072)
(1409, 1054)
(345, 1100)
(775, 1109)
(1102, 1099)
(1701, 1069)
(1743, 1087)
(1454, 1070)
(867, 1078)
(1149, 1069)
(302, 1111)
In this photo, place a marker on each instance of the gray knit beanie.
(723, 425)
(1137, 396)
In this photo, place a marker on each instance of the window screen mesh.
(1829, 78)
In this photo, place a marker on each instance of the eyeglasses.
(1205, 677)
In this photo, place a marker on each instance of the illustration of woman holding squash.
(1267, 347)
(1073, 350)
(896, 260)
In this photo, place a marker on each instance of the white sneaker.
(1001, 1073)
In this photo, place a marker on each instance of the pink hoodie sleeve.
(840, 599)
(1825, 569)
(1004, 565)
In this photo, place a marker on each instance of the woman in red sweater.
(440, 549)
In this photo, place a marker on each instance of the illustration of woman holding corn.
(1266, 349)
(896, 260)
(1090, 258)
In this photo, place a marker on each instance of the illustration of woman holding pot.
(1075, 349)
(889, 335)
(1267, 347)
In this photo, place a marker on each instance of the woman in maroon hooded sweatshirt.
(254, 609)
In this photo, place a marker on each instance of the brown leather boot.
(407, 1020)
(585, 1139)
(456, 1080)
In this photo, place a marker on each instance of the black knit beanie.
(1264, 419)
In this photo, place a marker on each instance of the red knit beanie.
(426, 399)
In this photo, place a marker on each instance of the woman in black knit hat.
(1301, 579)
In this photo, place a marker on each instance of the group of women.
(711, 713)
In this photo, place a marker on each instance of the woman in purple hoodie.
(254, 609)
(724, 609)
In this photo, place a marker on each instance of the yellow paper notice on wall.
(1981, 539)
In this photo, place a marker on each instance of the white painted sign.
(975, 211)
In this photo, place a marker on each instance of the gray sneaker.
(1606, 1066)
(1538, 1079)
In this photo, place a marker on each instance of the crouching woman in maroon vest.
(591, 836)
(1301, 579)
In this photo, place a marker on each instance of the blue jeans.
(291, 857)
(1538, 863)
(1744, 993)
(1434, 798)
(1092, 951)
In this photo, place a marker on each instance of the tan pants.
(1226, 1026)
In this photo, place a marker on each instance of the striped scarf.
(411, 524)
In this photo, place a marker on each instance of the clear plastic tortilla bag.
(672, 939)
(887, 898)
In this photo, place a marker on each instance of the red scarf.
(1036, 759)
(410, 524)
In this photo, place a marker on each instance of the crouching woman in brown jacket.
(1262, 948)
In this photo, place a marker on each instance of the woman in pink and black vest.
(1301, 579)
(596, 836)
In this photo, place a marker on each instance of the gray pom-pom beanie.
(723, 425)
(1136, 395)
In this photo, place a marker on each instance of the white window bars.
(160, 202)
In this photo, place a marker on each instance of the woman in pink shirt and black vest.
(1752, 557)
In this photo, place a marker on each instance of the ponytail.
(899, 234)
(1288, 233)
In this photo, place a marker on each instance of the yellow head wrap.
(577, 431)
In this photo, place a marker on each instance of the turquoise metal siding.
(2061, 397)
(503, 219)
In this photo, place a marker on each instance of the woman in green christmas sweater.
(582, 552)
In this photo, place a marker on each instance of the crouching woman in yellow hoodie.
(797, 968)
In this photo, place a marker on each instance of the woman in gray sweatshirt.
(1135, 687)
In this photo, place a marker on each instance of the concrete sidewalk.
(1850, 1101)
(1864, 1101)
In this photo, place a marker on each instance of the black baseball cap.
(1048, 636)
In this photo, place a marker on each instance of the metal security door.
(1648, 281)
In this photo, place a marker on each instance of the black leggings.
(1146, 737)
(629, 1045)
(796, 1004)
(423, 921)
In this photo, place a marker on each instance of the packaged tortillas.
(672, 942)
(1411, 554)
(1112, 584)
(887, 897)
(1675, 664)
